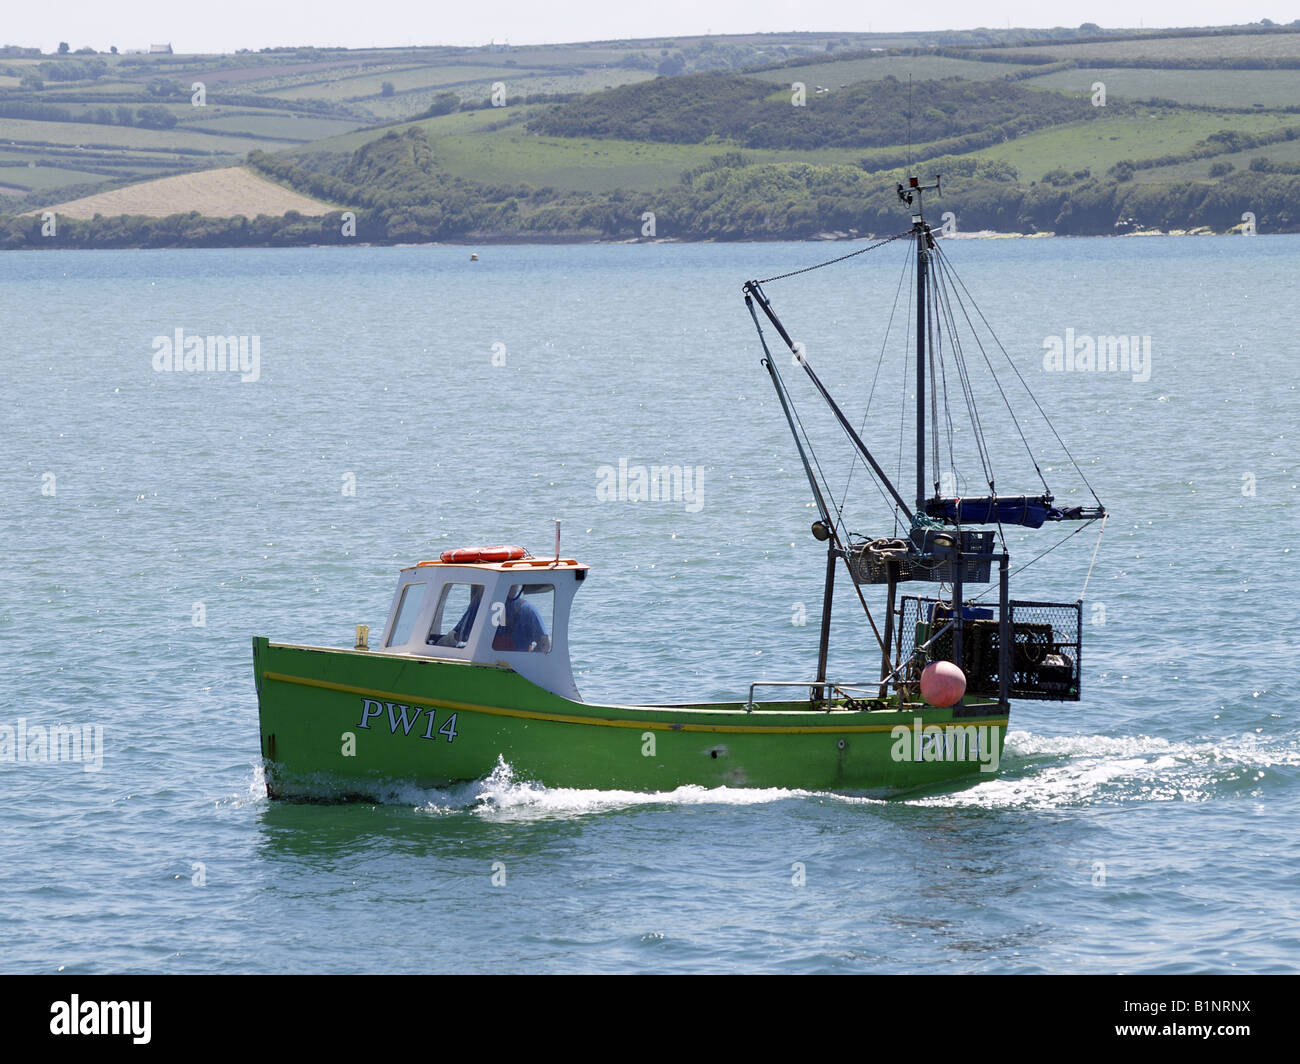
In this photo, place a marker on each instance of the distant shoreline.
(540, 240)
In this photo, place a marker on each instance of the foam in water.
(1038, 772)
(501, 797)
(254, 793)
(1045, 772)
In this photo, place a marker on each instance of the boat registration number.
(397, 715)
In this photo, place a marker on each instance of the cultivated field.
(224, 193)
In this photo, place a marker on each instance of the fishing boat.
(472, 667)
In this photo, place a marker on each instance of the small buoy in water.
(473, 256)
(942, 683)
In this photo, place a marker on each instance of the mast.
(911, 195)
(931, 550)
(922, 267)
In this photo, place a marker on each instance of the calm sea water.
(408, 400)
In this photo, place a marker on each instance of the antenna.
(911, 193)
(909, 121)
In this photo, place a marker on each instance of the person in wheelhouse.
(522, 628)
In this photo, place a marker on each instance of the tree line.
(756, 114)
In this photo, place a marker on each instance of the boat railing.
(842, 690)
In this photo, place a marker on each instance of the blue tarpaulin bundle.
(1028, 510)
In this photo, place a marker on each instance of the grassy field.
(280, 83)
(58, 92)
(1208, 48)
(493, 146)
(1103, 142)
(1213, 88)
(371, 83)
(579, 54)
(922, 67)
(1286, 151)
(38, 178)
(78, 133)
(442, 126)
(284, 127)
(408, 104)
(513, 155)
(224, 193)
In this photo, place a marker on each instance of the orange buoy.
(469, 555)
(942, 683)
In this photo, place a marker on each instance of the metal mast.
(911, 195)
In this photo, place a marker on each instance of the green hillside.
(721, 138)
(278, 98)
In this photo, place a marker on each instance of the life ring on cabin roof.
(483, 554)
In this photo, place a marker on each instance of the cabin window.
(408, 606)
(524, 620)
(454, 619)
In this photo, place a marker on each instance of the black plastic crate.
(938, 567)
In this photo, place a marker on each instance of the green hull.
(338, 722)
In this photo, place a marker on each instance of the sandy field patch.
(223, 193)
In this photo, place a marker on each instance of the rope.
(842, 258)
(1100, 532)
(1036, 558)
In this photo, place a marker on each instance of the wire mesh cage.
(1046, 645)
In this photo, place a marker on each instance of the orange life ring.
(483, 554)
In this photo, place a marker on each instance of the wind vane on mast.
(914, 188)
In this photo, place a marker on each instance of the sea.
(396, 402)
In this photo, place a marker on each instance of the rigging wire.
(968, 396)
(1038, 557)
(835, 530)
(947, 414)
(1024, 384)
(993, 373)
(842, 258)
(967, 387)
(807, 440)
(884, 345)
(934, 344)
(944, 287)
(908, 340)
